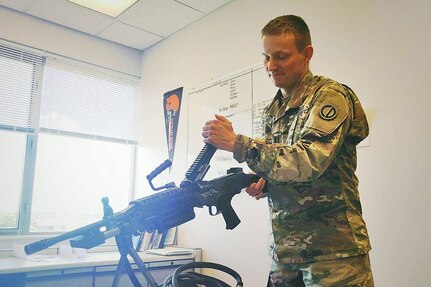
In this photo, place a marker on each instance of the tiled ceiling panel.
(20, 5)
(161, 17)
(129, 36)
(140, 26)
(70, 15)
(206, 6)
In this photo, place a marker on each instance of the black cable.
(193, 279)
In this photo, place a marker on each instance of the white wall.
(44, 35)
(379, 48)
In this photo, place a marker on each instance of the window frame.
(29, 165)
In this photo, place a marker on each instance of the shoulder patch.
(328, 111)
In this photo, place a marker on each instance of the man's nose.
(271, 65)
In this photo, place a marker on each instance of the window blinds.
(20, 77)
(89, 101)
(48, 93)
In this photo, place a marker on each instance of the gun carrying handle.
(229, 215)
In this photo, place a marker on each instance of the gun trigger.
(211, 210)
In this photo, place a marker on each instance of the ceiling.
(143, 24)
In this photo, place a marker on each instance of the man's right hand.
(255, 190)
(219, 133)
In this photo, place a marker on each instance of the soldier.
(307, 159)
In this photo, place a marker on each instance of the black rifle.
(169, 208)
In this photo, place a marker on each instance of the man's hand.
(256, 189)
(219, 133)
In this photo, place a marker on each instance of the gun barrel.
(38, 246)
(45, 243)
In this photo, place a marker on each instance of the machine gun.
(169, 208)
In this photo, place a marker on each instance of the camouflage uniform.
(308, 157)
(346, 272)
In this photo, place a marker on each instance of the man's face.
(284, 63)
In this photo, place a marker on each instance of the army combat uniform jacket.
(308, 157)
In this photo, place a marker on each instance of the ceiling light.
(111, 8)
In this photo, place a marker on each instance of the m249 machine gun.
(169, 208)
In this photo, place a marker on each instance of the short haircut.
(289, 24)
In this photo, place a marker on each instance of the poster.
(172, 106)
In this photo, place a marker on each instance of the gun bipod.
(125, 247)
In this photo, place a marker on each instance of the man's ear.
(308, 53)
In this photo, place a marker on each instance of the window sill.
(6, 244)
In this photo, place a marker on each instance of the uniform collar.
(279, 106)
(299, 95)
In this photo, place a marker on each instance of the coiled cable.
(180, 278)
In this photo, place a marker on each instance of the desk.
(94, 270)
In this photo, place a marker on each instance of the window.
(12, 151)
(85, 171)
(20, 74)
(67, 139)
